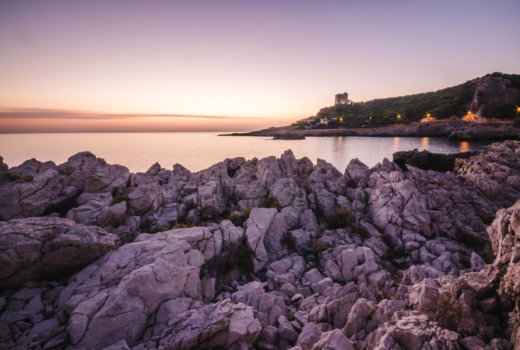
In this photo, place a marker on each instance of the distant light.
(341, 119)
(398, 116)
(370, 118)
(469, 117)
(517, 109)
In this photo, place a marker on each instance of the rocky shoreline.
(273, 253)
(453, 130)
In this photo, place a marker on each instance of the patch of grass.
(120, 197)
(240, 219)
(17, 176)
(181, 225)
(340, 219)
(237, 219)
(270, 202)
(247, 212)
(318, 246)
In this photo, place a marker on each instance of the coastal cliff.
(482, 108)
(272, 253)
(451, 129)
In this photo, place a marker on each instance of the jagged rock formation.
(47, 247)
(282, 254)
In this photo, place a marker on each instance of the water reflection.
(396, 144)
(424, 142)
(197, 151)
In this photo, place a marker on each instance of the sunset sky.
(117, 65)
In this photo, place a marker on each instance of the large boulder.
(504, 234)
(257, 225)
(47, 247)
(222, 325)
(113, 298)
(31, 196)
(85, 172)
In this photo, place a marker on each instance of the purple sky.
(277, 61)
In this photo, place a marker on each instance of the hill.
(495, 96)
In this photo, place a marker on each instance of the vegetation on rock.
(442, 104)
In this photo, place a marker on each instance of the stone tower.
(341, 99)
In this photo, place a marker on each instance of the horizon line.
(121, 131)
(51, 113)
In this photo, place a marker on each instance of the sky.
(136, 65)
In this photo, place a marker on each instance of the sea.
(199, 150)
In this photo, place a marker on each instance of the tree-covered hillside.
(495, 95)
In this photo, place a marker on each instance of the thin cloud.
(41, 113)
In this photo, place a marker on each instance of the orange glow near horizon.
(70, 121)
(258, 61)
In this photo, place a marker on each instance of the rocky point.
(273, 253)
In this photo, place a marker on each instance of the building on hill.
(342, 99)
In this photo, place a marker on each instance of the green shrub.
(17, 176)
(441, 104)
(239, 219)
(120, 197)
(270, 202)
(318, 246)
(340, 219)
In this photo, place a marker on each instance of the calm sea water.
(197, 151)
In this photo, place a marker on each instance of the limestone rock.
(34, 248)
(221, 325)
(112, 299)
(333, 340)
(257, 224)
